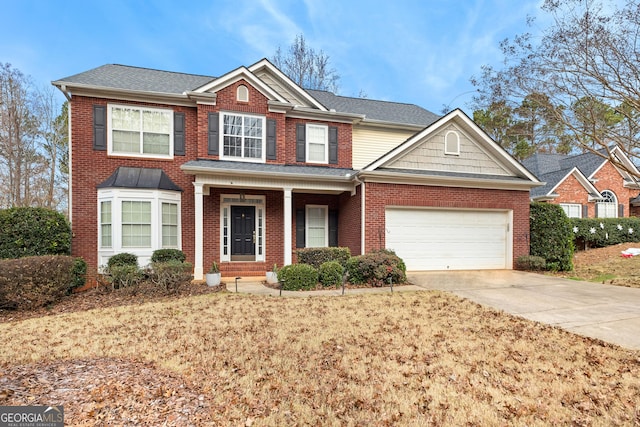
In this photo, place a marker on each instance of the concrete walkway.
(610, 313)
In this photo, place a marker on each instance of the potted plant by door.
(272, 276)
(213, 276)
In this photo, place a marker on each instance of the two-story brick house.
(245, 168)
(587, 185)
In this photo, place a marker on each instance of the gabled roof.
(502, 170)
(124, 79)
(555, 168)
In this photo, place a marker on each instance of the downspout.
(362, 214)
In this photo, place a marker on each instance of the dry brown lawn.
(605, 265)
(414, 359)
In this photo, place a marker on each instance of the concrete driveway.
(610, 313)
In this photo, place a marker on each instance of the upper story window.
(242, 94)
(243, 137)
(317, 143)
(140, 131)
(452, 143)
(608, 207)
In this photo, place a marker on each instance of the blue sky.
(421, 52)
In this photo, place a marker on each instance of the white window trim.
(116, 196)
(242, 159)
(228, 200)
(110, 151)
(326, 225)
(455, 152)
(326, 143)
(600, 206)
(566, 207)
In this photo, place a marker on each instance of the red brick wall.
(608, 178)
(350, 221)
(344, 142)
(378, 196)
(90, 168)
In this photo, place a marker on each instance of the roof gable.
(479, 154)
(241, 73)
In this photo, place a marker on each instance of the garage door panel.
(428, 239)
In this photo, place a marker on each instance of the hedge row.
(33, 231)
(377, 268)
(33, 282)
(600, 232)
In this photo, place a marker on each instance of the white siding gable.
(369, 143)
(430, 155)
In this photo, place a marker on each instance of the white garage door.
(435, 239)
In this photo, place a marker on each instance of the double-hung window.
(140, 131)
(317, 143)
(572, 210)
(317, 227)
(243, 137)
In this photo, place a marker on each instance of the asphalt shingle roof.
(281, 170)
(376, 110)
(114, 76)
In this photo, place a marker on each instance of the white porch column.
(287, 226)
(198, 270)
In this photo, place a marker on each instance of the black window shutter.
(178, 134)
(213, 134)
(596, 211)
(333, 228)
(300, 227)
(333, 145)
(100, 127)
(300, 142)
(620, 210)
(271, 139)
(585, 211)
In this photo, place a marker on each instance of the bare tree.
(306, 67)
(18, 133)
(32, 143)
(586, 64)
(54, 142)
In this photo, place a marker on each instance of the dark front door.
(243, 229)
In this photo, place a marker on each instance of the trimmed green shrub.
(531, 263)
(298, 277)
(170, 275)
(318, 256)
(330, 273)
(79, 273)
(164, 255)
(123, 259)
(32, 282)
(123, 276)
(33, 231)
(551, 236)
(601, 232)
(377, 268)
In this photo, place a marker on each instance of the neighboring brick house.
(587, 185)
(245, 168)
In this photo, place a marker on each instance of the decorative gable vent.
(242, 94)
(452, 143)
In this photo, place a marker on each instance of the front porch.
(246, 220)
